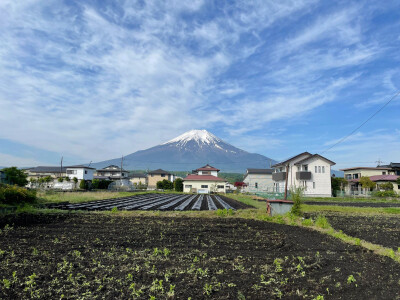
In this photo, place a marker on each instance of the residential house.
(44, 171)
(157, 175)
(381, 179)
(394, 167)
(138, 179)
(204, 180)
(353, 175)
(258, 180)
(80, 172)
(312, 172)
(111, 172)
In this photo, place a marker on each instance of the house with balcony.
(376, 174)
(257, 180)
(311, 172)
(394, 168)
(44, 171)
(111, 172)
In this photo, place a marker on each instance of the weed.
(307, 222)
(167, 252)
(322, 222)
(114, 209)
(350, 279)
(241, 296)
(6, 283)
(171, 292)
(207, 289)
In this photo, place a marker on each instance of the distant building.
(44, 171)
(394, 167)
(257, 180)
(312, 172)
(157, 175)
(358, 172)
(204, 180)
(111, 172)
(80, 172)
(138, 179)
(2, 177)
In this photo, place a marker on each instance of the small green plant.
(6, 283)
(307, 222)
(167, 252)
(319, 297)
(296, 195)
(225, 212)
(350, 279)
(357, 242)
(207, 289)
(171, 292)
(322, 222)
(278, 266)
(114, 209)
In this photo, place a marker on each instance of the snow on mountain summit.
(199, 136)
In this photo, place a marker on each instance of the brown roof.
(315, 155)
(365, 168)
(207, 167)
(192, 177)
(159, 171)
(291, 158)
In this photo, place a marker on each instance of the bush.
(83, 185)
(385, 194)
(322, 222)
(178, 185)
(12, 194)
(165, 185)
(15, 176)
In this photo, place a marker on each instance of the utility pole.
(61, 167)
(286, 181)
(122, 159)
(89, 164)
(379, 162)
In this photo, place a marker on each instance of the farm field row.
(114, 257)
(355, 203)
(177, 202)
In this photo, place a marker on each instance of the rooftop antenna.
(379, 162)
(89, 164)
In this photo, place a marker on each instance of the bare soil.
(94, 256)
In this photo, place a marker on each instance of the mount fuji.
(189, 151)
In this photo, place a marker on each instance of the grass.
(351, 199)
(248, 199)
(350, 209)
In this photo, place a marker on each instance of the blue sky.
(91, 80)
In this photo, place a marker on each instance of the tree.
(82, 185)
(337, 183)
(178, 185)
(165, 185)
(95, 184)
(367, 183)
(15, 176)
(60, 179)
(160, 185)
(387, 186)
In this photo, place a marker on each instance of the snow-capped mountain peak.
(199, 136)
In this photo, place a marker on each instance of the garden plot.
(379, 229)
(178, 202)
(354, 204)
(93, 256)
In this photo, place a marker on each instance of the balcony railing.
(303, 175)
(279, 176)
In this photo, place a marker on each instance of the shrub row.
(12, 194)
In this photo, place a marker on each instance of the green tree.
(60, 179)
(367, 183)
(387, 186)
(178, 185)
(160, 185)
(167, 185)
(15, 176)
(95, 184)
(82, 184)
(337, 184)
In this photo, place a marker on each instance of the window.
(85, 171)
(305, 167)
(355, 176)
(383, 173)
(313, 185)
(256, 185)
(323, 169)
(188, 186)
(206, 173)
(220, 186)
(348, 176)
(316, 169)
(319, 169)
(398, 186)
(71, 171)
(204, 186)
(162, 175)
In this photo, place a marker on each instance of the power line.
(373, 115)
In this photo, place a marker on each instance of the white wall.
(264, 183)
(197, 185)
(80, 173)
(213, 173)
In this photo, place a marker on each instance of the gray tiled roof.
(259, 171)
(48, 169)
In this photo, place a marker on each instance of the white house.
(312, 172)
(204, 180)
(80, 172)
(257, 180)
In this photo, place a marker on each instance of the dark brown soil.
(355, 204)
(93, 256)
(381, 230)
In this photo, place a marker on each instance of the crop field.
(177, 202)
(354, 204)
(378, 229)
(97, 256)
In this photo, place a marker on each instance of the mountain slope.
(192, 150)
